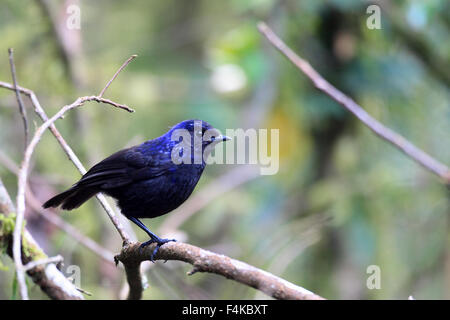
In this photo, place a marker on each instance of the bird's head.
(200, 134)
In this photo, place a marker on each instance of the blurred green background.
(343, 199)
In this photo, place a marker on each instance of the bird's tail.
(71, 199)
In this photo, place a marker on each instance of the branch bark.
(206, 261)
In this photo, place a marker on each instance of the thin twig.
(206, 261)
(115, 75)
(34, 264)
(84, 291)
(377, 127)
(22, 109)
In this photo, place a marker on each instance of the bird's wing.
(122, 168)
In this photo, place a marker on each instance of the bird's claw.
(159, 243)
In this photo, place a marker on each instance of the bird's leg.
(153, 238)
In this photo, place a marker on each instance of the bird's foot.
(159, 242)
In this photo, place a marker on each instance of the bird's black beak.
(220, 138)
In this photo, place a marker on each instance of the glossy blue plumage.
(143, 179)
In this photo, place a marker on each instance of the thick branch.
(377, 127)
(206, 261)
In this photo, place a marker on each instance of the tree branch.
(48, 278)
(377, 127)
(115, 75)
(22, 110)
(206, 261)
(33, 264)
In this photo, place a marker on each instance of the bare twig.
(377, 127)
(84, 291)
(115, 75)
(206, 261)
(33, 264)
(81, 100)
(22, 109)
(106, 101)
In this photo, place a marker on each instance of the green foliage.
(7, 224)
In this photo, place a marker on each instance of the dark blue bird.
(150, 179)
